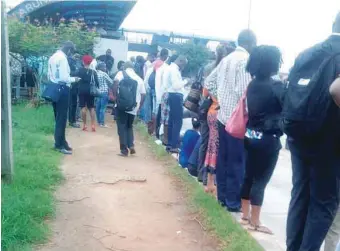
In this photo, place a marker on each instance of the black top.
(108, 60)
(264, 100)
(84, 83)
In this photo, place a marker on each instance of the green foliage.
(197, 54)
(43, 40)
(28, 201)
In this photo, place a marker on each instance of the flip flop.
(244, 221)
(260, 229)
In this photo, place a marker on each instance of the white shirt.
(140, 87)
(59, 69)
(173, 80)
(159, 83)
(231, 79)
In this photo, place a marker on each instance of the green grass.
(219, 222)
(28, 201)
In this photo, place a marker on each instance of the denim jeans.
(125, 130)
(101, 104)
(60, 109)
(175, 119)
(202, 174)
(314, 198)
(261, 157)
(229, 169)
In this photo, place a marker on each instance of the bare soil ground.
(113, 203)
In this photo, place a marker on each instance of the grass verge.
(214, 218)
(28, 201)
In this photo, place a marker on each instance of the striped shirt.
(104, 82)
(231, 80)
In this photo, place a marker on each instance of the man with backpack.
(129, 91)
(311, 121)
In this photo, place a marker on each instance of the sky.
(292, 25)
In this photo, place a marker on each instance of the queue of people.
(244, 111)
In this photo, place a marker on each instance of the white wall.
(119, 49)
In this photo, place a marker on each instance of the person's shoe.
(123, 154)
(63, 151)
(132, 151)
(174, 150)
(68, 148)
(74, 125)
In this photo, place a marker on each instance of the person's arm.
(146, 79)
(64, 72)
(334, 90)
(176, 80)
(119, 76)
(108, 80)
(142, 92)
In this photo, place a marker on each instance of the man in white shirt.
(231, 79)
(125, 118)
(174, 84)
(59, 73)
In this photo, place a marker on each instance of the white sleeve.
(119, 76)
(147, 76)
(64, 72)
(158, 84)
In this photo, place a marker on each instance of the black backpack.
(306, 107)
(152, 80)
(126, 95)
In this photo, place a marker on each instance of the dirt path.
(120, 204)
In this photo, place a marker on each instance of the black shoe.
(174, 150)
(74, 125)
(63, 151)
(132, 151)
(68, 148)
(123, 154)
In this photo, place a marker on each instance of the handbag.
(52, 92)
(94, 91)
(192, 100)
(204, 108)
(236, 125)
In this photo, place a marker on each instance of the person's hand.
(77, 79)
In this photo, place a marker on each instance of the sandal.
(260, 229)
(93, 129)
(244, 221)
(84, 128)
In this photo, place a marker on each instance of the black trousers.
(125, 130)
(60, 110)
(202, 174)
(73, 103)
(261, 158)
(158, 121)
(315, 195)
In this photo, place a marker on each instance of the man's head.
(101, 66)
(195, 123)
(152, 57)
(128, 65)
(68, 48)
(108, 52)
(120, 65)
(247, 40)
(336, 24)
(181, 61)
(164, 54)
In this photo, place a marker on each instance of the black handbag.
(52, 92)
(94, 91)
(204, 108)
(193, 99)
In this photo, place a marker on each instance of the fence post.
(6, 111)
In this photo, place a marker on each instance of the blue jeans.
(314, 197)
(175, 119)
(230, 169)
(101, 104)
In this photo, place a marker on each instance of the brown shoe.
(132, 151)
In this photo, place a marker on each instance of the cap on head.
(87, 59)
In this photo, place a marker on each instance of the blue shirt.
(189, 141)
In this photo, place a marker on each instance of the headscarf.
(87, 59)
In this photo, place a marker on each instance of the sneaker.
(132, 151)
(74, 125)
(63, 151)
(68, 148)
(123, 154)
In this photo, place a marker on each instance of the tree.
(197, 54)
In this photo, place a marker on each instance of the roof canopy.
(108, 14)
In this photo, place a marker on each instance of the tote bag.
(236, 125)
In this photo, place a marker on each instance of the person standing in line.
(72, 113)
(231, 81)
(148, 63)
(165, 109)
(86, 100)
(176, 89)
(262, 140)
(31, 80)
(315, 160)
(102, 100)
(125, 118)
(59, 73)
(120, 67)
(108, 60)
(209, 144)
